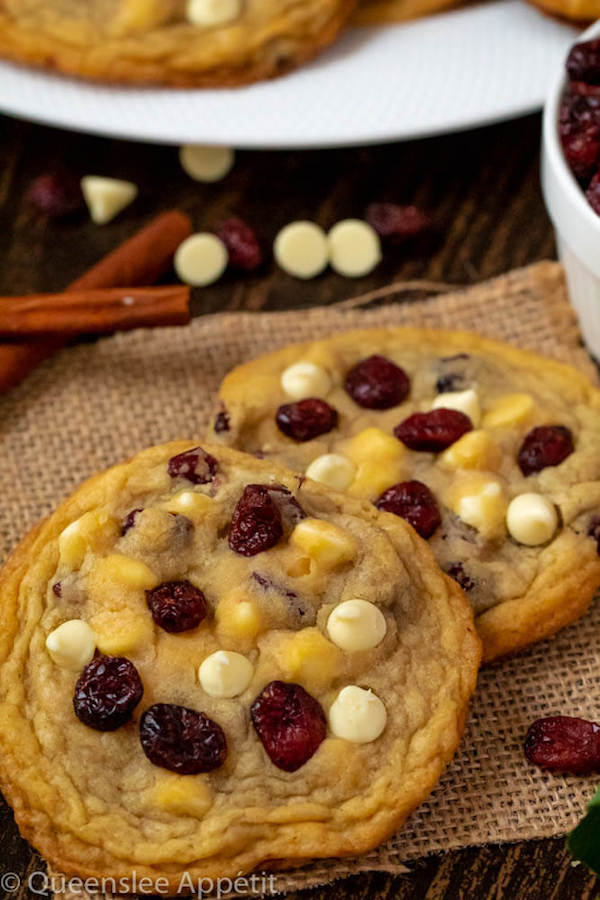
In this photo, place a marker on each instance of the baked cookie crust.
(521, 594)
(150, 42)
(93, 804)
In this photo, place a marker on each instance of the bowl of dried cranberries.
(571, 177)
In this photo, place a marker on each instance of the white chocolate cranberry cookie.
(202, 670)
(177, 42)
(491, 453)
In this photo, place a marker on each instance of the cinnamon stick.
(140, 260)
(92, 312)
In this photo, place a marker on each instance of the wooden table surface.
(482, 188)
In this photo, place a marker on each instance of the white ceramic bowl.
(576, 225)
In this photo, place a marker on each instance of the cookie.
(492, 453)
(195, 43)
(386, 12)
(202, 671)
(578, 10)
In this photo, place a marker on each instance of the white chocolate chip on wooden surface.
(201, 259)
(225, 674)
(301, 250)
(354, 248)
(205, 163)
(356, 625)
(466, 402)
(305, 379)
(357, 715)
(531, 519)
(106, 197)
(333, 470)
(72, 645)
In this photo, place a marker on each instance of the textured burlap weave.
(94, 404)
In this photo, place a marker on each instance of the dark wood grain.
(482, 188)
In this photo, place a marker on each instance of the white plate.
(458, 69)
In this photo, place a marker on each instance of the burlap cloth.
(94, 404)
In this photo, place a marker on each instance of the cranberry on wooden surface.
(545, 445)
(565, 743)
(242, 244)
(414, 502)
(290, 724)
(177, 606)
(182, 740)
(55, 195)
(194, 465)
(107, 692)
(377, 383)
(433, 431)
(396, 223)
(306, 419)
(256, 523)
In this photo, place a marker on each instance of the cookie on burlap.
(519, 425)
(154, 41)
(202, 670)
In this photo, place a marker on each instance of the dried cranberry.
(456, 571)
(433, 431)
(107, 692)
(256, 522)
(546, 445)
(181, 739)
(221, 422)
(566, 743)
(300, 612)
(177, 606)
(290, 724)
(242, 244)
(57, 589)
(413, 501)
(306, 419)
(578, 111)
(290, 510)
(582, 151)
(593, 193)
(55, 195)
(196, 465)
(397, 223)
(129, 520)
(377, 383)
(453, 381)
(583, 62)
(594, 531)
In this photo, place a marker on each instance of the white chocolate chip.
(201, 259)
(333, 470)
(225, 674)
(106, 197)
(356, 625)
(72, 644)
(531, 519)
(305, 379)
(204, 163)
(211, 13)
(357, 715)
(466, 402)
(300, 249)
(354, 248)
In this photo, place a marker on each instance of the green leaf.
(584, 840)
